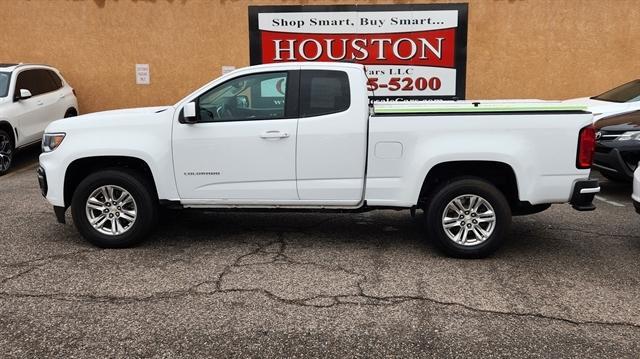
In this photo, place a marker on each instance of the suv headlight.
(629, 135)
(51, 141)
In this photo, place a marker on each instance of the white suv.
(31, 97)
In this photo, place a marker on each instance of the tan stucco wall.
(516, 48)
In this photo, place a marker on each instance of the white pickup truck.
(307, 136)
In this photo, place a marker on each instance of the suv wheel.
(70, 113)
(114, 208)
(468, 218)
(6, 152)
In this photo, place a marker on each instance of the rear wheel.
(468, 218)
(114, 208)
(6, 152)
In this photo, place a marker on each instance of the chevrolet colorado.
(307, 136)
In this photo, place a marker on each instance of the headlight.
(51, 141)
(629, 135)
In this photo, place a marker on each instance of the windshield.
(5, 77)
(629, 92)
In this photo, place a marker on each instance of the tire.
(70, 113)
(485, 236)
(118, 214)
(7, 148)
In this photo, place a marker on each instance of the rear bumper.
(583, 193)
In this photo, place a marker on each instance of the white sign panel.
(142, 74)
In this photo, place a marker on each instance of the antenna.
(373, 93)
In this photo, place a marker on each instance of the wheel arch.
(498, 173)
(80, 168)
(72, 111)
(8, 127)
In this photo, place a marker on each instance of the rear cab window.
(323, 92)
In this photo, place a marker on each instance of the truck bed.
(484, 106)
(537, 139)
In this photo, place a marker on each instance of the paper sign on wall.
(226, 69)
(413, 50)
(142, 74)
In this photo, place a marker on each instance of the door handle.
(40, 103)
(274, 134)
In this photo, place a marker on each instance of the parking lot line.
(613, 203)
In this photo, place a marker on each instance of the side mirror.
(189, 113)
(23, 94)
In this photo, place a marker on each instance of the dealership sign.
(408, 50)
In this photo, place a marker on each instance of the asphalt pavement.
(208, 284)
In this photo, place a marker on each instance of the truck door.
(242, 148)
(332, 135)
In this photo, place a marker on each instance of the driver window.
(252, 97)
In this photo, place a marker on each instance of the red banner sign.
(427, 48)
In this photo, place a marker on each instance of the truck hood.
(124, 112)
(125, 119)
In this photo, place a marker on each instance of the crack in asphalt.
(278, 257)
(48, 258)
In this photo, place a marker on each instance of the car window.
(37, 81)
(5, 78)
(252, 97)
(323, 92)
(57, 82)
(629, 92)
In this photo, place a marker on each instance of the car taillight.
(586, 146)
(74, 92)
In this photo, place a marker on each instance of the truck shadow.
(614, 190)
(25, 158)
(378, 230)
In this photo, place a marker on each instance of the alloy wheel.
(111, 210)
(468, 220)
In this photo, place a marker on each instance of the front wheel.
(468, 218)
(114, 208)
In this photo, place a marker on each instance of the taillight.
(586, 147)
(74, 92)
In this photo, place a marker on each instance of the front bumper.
(42, 181)
(44, 188)
(53, 176)
(612, 159)
(636, 190)
(583, 193)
